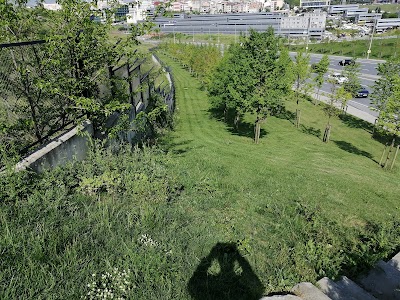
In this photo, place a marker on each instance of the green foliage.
(87, 218)
(353, 82)
(321, 68)
(48, 85)
(201, 60)
(153, 122)
(385, 96)
(256, 76)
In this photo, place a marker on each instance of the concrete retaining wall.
(68, 146)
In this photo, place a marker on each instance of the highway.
(367, 77)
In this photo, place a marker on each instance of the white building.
(384, 24)
(340, 9)
(314, 3)
(52, 6)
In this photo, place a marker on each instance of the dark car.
(346, 62)
(362, 92)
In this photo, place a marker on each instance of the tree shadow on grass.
(310, 130)
(282, 113)
(224, 275)
(353, 149)
(172, 147)
(246, 129)
(354, 122)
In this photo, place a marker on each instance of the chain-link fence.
(30, 112)
(34, 108)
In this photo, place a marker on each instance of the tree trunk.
(327, 133)
(316, 100)
(236, 121)
(298, 115)
(257, 129)
(383, 155)
(389, 152)
(395, 156)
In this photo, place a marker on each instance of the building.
(384, 24)
(351, 12)
(314, 3)
(340, 9)
(312, 24)
(368, 18)
(51, 6)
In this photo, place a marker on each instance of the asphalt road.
(367, 77)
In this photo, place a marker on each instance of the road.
(367, 77)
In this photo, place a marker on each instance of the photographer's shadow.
(225, 274)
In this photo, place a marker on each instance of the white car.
(338, 78)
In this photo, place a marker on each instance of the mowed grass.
(380, 49)
(236, 190)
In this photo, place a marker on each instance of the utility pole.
(308, 32)
(372, 36)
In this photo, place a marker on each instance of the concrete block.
(383, 282)
(281, 297)
(307, 291)
(351, 288)
(332, 290)
(395, 261)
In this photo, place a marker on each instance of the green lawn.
(384, 7)
(238, 190)
(209, 215)
(381, 48)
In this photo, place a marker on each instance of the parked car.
(346, 62)
(338, 78)
(362, 92)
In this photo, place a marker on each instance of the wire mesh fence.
(32, 109)
(28, 112)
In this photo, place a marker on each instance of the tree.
(389, 119)
(338, 96)
(353, 82)
(255, 76)
(68, 75)
(384, 86)
(321, 68)
(302, 73)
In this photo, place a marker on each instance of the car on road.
(338, 78)
(362, 92)
(346, 62)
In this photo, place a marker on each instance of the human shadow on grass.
(353, 149)
(311, 130)
(354, 122)
(224, 274)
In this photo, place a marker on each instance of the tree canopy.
(256, 76)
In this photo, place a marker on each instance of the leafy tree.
(338, 96)
(321, 68)
(389, 118)
(255, 77)
(302, 73)
(353, 82)
(384, 86)
(69, 74)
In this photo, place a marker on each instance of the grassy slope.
(381, 48)
(251, 190)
